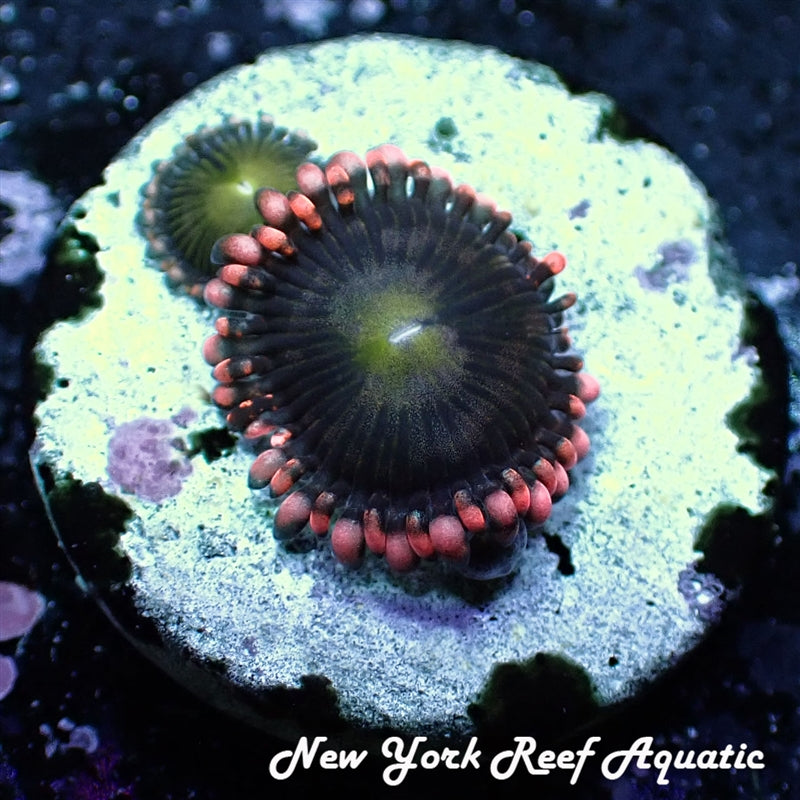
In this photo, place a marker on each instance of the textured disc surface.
(197, 579)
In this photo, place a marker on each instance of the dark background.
(716, 82)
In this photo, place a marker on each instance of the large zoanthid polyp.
(396, 356)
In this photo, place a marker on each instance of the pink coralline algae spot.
(145, 458)
(8, 675)
(20, 609)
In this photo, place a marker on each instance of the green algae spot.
(70, 285)
(761, 420)
(443, 137)
(42, 378)
(612, 123)
(89, 523)
(314, 705)
(69, 289)
(545, 695)
(211, 443)
(735, 544)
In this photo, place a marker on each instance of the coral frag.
(205, 190)
(392, 351)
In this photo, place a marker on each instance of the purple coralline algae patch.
(185, 417)
(20, 609)
(705, 594)
(672, 266)
(146, 458)
(580, 210)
